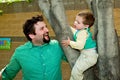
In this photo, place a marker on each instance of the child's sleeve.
(80, 41)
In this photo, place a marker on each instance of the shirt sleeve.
(62, 52)
(63, 55)
(80, 41)
(11, 69)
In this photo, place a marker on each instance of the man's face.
(42, 33)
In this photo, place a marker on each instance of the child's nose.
(46, 29)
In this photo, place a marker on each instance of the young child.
(82, 41)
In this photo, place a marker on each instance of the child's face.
(78, 23)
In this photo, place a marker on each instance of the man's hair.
(28, 27)
(88, 18)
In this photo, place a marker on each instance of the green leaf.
(1, 12)
(11, 1)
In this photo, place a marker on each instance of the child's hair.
(88, 18)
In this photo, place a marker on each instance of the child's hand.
(66, 43)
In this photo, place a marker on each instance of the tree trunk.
(54, 12)
(108, 49)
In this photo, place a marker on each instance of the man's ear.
(31, 36)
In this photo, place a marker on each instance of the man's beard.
(46, 40)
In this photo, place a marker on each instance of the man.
(40, 58)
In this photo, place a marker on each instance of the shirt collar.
(31, 45)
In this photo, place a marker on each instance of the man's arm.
(1, 72)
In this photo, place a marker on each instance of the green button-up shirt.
(36, 62)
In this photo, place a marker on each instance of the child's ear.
(86, 26)
(31, 36)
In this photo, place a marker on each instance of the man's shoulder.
(26, 45)
(53, 41)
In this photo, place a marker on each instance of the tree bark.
(108, 49)
(54, 12)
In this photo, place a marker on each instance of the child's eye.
(41, 28)
(77, 22)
